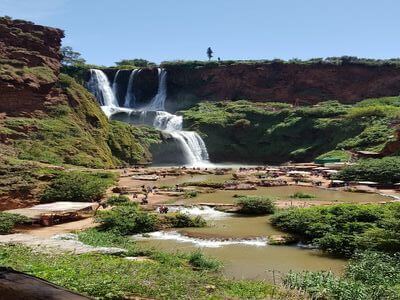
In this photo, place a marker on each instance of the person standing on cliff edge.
(209, 53)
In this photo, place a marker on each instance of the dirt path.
(60, 228)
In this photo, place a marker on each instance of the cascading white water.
(166, 121)
(99, 85)
(130, 99)
(191, 144)
(115, 85)
(158, 102)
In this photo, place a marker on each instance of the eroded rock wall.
(29, 65)
(281, 82)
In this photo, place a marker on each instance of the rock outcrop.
(281, 82)
(49, 117)
(29, 65)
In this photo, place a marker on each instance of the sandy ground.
(59, 229)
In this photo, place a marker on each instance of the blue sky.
(106, 31)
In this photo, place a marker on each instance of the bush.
(78, 186)
(191, 194)
(200, 261)
(127, 219)
(343, 229)
(255, 205)
(9, 221)
(180, 220)
(385, 170)
(117, 200)
(301, 195)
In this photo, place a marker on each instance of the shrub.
(127, 219)
(191, 194)
(9, 221)
(180, 220)
(301, 195)
(384, 170)
(198, 260)
(117, 200)
(255, 205)
(343, 229)
(77, 186)
(210, 184)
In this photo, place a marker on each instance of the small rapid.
(206, 243)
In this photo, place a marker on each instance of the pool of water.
(284, 193)
(241, 243)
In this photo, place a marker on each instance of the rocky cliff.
(29, 65)
(46, 116)
(282, 82)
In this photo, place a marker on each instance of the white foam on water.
(206, 212)
(214, 243)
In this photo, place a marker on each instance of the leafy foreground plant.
(343, 229)
(369, 276)
(255, 205)
(112, 277)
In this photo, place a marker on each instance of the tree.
(136, 62)
(209, 53)
(71, 57)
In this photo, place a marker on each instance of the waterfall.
(99, 86)
(166, 121)
(115, 86)
(130, 99)
(192, 145)
(158, 102)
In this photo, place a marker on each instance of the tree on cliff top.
(136, 62)
(71, 57)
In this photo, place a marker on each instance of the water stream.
(241, 243)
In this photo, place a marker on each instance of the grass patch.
(369, 275)
(170, 276)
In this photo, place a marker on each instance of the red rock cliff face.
(29, 65)
(292, 83)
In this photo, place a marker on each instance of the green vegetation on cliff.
(78, 186)
(75, 131)
(277, 132)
